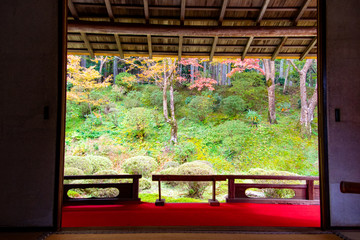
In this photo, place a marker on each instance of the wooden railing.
(189, 178)
(307, 193)
(127, 191)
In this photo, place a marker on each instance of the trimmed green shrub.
(143, 165)
(81, 163)
(72, 171)
(137, 122)
(271, 192)
(195, 189)
(100, 163)
(144, 183)
(233, 105)
(200, 107)
(170, 171)
(171, 164)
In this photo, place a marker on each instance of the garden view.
(164, 116)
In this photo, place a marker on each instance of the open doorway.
(227, 152)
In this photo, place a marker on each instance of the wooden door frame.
(322, 115)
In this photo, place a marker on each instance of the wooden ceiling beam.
(73, 10)
(149, 45)
(175, 30)
(248, 44)
(146, 11)
(87, 44)
(222, 11)
(301, 11)
(308, 49)
(262, 12)
(109, 10)
(118, 44)
(181, 38)
(277, 51)
(182, 12)
(213, 48)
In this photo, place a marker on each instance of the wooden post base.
(214, 203)
(160, 202)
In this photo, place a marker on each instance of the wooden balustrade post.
(310, 189)
(231, 189)
(160, 202)
(135, 189)
(213, 201)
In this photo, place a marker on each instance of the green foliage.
(195, 189)
(72, 171)
(100, 163)
(230, 136)
(253, 117)
(138, 121)
(281, 81)
(144, 183)
(143, 165)
(200, 107)
(133, 99)
(126, 80)
(233, 105)
(171, 164)
(184, 150)
(156, 99)
(151, 197)
(81, 163)
(250, 86)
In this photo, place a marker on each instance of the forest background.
(144, 116)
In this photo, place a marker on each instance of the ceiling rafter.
(277, 50)
(213, 48)
(301, 11)
(222, 11)
(109, 10)
(146, 11)
(182, 12)
(87, 44)
(198, 31)
(181, 39)
(73, 10)
(308, 49)
(118, 44)
(149, 45)
(262, 12)
(248, 44)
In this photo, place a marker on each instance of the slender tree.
(307, 105)
(269, 67)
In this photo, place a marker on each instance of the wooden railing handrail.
(123, 176)
(272, 177)
(189, 178)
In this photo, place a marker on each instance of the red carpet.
(192, 214)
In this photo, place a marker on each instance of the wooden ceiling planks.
(182, 28)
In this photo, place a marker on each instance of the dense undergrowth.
(227, 128)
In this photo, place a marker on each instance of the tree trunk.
(281, 70)
(270, 83)
(286, 78)
(172, 120)
(115, 69)
(307, 107)
(83, 62)
(192, 73)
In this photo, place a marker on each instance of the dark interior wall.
(29, 81)
(343, 80)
